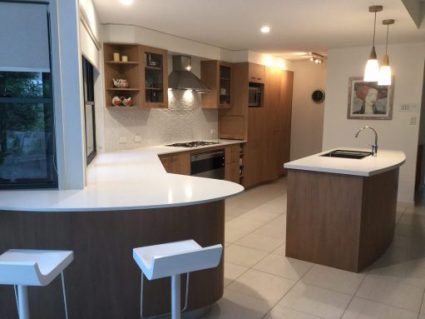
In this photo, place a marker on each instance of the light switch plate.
(122, 140)
(407, 107)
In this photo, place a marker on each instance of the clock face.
(318, 96)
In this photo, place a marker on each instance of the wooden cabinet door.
(176, 163)
(167, 162)
(154, 77)
(256, 73)
(272, 96)
(182, 163)
(232, 163)
(285, 115)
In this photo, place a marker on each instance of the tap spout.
(374, 146)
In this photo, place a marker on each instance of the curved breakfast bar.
(129, 201)
(342, 210)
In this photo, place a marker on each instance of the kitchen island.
(341, 212)
(129, 201)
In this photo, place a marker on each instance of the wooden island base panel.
(103, 281)
(338, 220)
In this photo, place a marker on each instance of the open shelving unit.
(146, 71)
(128, 70)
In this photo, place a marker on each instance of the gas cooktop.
(193, 144)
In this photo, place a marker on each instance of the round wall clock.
(318, 96)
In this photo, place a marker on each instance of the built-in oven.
(208, 164)
(255, 91)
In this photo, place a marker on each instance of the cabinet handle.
(259, 79)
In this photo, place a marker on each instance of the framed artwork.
(369, 101)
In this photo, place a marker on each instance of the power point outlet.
(137, 139)
(122, 140)
(412, 120)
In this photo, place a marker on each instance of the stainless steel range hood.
(182, 79)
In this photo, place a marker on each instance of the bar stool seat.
(172, 260)
(29, 267)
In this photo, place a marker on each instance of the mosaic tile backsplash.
(130, 128)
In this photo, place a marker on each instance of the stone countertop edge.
(126, 180)
(367, 166)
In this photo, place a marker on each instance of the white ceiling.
(297, 25)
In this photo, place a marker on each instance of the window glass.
(26, 131)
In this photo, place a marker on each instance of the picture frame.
(368, 100)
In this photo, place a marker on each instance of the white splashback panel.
(130, 128)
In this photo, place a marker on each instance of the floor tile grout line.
(255, 229)
(284, 295)
(383, 303)
(353, 296)
(234, 243)
(422, 305)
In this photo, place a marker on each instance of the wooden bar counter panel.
(103, 281)
(342, 221)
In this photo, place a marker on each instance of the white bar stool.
(172, 260)
(27, 267)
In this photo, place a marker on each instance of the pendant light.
(371, 72)
(385, 73)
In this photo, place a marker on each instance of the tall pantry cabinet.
(266, 126)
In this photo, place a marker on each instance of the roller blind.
(24, 37)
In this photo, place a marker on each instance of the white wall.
(400, 133)
(66, 65)
(307, 116)
(121, 33)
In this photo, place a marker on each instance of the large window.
(27, 152)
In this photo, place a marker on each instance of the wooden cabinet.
(233, 164)
(256, 73)
(154, 77)
(233, 122)
(217, 76)
(267, 129)
(179, 163)
(176, 163)
(128, 70)
(145, 70)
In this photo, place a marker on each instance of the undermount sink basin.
(348, 154)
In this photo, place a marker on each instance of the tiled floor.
(260, 282)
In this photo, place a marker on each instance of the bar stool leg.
(65, 304)
(24, 312)
(175, 297)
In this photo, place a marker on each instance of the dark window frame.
(88, 88)
(48, 107)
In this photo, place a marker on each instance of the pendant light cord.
(374, 30)
(386, 43)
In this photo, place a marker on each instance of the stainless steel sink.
(348, 154)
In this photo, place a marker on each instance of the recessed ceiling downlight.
(126, 2)
(265, 29)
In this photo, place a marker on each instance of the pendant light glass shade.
(385, 72)
(371, 71)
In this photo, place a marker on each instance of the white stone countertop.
(367, 166)
(125, 180)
